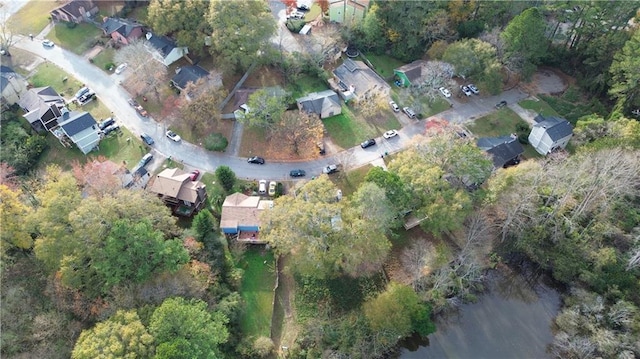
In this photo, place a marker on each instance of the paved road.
(109, 91)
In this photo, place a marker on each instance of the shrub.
(71, 25)
(109, 65)
(215, 142)
(226, 176)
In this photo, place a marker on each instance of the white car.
(330, 169)
(262, 186)
(465, 90)
(390, 133)
(446, 93)
(47, 43)
(394, 106)
(121, 68)
(272, 188)
(173, 136)
(473, 88)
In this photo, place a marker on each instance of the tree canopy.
(526, 42)
(625, 82)
(184, 19)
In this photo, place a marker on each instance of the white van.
(262, 186)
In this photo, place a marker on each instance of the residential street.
(109, 91)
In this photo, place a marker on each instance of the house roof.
(315, 102)
(174, 182)
(502, 149)
(413, 71)
(77, 122)
(242, 210)
(73, 7)
(359, 75)
(188, 74)
(37, 101)
(6, 74)
(122, 26)
(557, 128)
(163, 44)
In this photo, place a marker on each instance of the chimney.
(148, 35)
(178, 70)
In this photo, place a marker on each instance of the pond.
(512, 319)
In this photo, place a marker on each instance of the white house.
(164, 49)
(550, 134)
(81, 128)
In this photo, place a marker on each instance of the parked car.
(132, 102)
(409, 112)
(194, 175)
(48, 43)
(330, 169)
(368, 143)
(106, 123)
(121, 68)
(297, 173)
(173, 136)
(445, 92)
(501, 104)
(296, 15)
(394, 106)
(107, 130)
(473, 88)
(141, 111)
(303, 7)
(465, 90)
(147, 139)
(82, 92)
(86, 98)
(262, 186)
(256, 160)
(390, 133)
(145, 159)
(272, 188)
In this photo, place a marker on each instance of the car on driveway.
(141, 111)
(501, 104)
(390, 134)
(121, 68)
(132, 102)
(368, 143)
(173, 136)
(262, 186)
(145, 159)
(473, 88)
(194, 175)
(256, 160)
(147, 139)
(466, 90)
(330, 169)
(48, 43)
(409, 112)
(445, 92)
(394, 106)
(297, 173)
(106, 123)
(272, 188)
(113, 127)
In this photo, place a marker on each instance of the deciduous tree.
(146, 74)
(265, 109)
(14, 233)
(298, 128)
(184, 19)
(203, 106)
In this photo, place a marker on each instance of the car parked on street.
(394, 106)
(147, 139)
(501, 104)
(272, 188)
(445, 92)
(466, 91)
(297, 173)
(409, 112)
(368, 143)
(173, 136)
(256, 160)
(473, 88)
(330, 169)
(390, 134)
(48, 43)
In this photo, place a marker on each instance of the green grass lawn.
(257, 291)
(539, 106)
(78, 39)
(349, 182)
(48, 74)
(307, 84)
(313, 12)
(32, 17)
(384, 64)
(346, 130)
(429, 107)
(103, 58)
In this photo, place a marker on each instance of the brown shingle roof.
(242, 210)
(174, 182)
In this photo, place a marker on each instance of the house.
(355, 79)
(121, 31)
(176, 189)
(75, 11)
(12, 86)
(324, 103)
(504, 150)
(79, 127)
(550, 134)
(347, 11)
(409, 73)
(241, 216)
(187, 74)
(164, 49)
(43, 107)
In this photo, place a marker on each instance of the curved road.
(115, 97)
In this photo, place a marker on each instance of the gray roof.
(38, 101)
(502, 149)
(314, 102)
(77, 122)
(163, 44)
(188, 74)
(6, 73)
(73, 7)
(359, 75)
(557, 128)
(122, 26)
(413, 71)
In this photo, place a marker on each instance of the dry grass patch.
(259, 142)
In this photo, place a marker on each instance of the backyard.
(257, 291)
(539, 106)
(384, 64)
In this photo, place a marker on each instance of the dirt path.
(284, 329)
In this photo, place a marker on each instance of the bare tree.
(6, 35)
(418, 260)
(147, 74)
(298, 128)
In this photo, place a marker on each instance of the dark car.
(297, 173)
(147, 139)
(501, 104)
(256, 160)
(106, 123)
(368, 143)
(107, 130)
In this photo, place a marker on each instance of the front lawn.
(423, 105)
(104, 58)
(384, 64)
(33, 17)
(349, 181)
(347, 130)
(78, 39)
(48, 74)
(257, 291)
(539, 107)
(500, 123)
